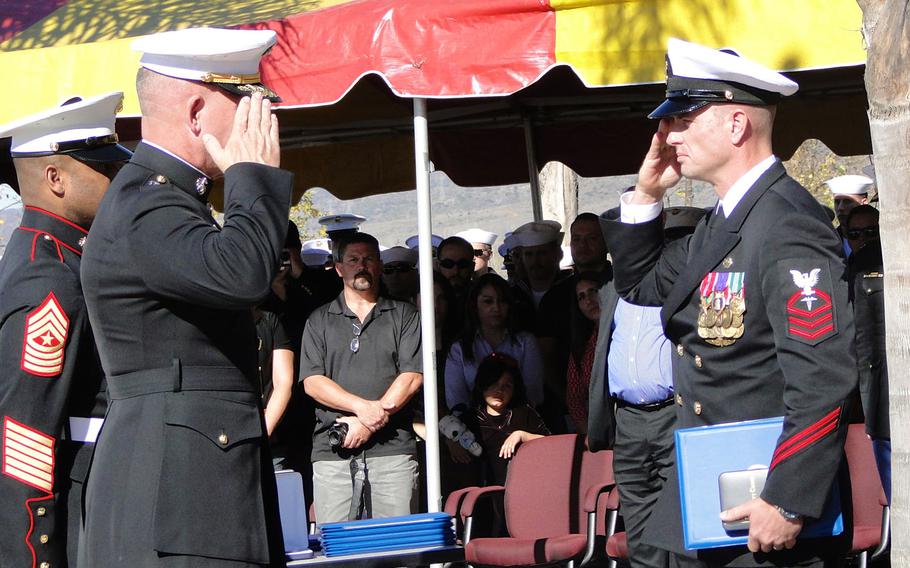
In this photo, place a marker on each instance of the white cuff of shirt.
(634, 213)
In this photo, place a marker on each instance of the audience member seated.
(488, 327)
(585, 314)
(503, 419)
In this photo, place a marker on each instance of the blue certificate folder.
(703, 453)
(392, 533)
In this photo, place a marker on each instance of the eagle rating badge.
(810, 312)
(45, 339)
(722, 308)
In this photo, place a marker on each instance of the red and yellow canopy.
(52, 49)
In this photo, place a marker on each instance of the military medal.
(722, 307)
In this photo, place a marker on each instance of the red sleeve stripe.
(805, 443)
(806, 437)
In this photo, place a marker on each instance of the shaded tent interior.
(364, 144)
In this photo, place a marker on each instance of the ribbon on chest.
(722, 308)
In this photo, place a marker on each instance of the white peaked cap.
(341, 222)
(699, 75)
(315, 252)
(850, 185)
(226, 57)
(537, 233)
(399, 254)
(317, 245)
(478, 236)
(699, 62)
(413, 242)
(83, 125)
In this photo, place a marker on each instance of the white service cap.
(699, 75)
(316, 252)
(83, 129)
(341, 222)
(413, 242)
(317, 245)
(478, 236)
(225, 57)
(537, 233)
(399, 254)
(849, 185)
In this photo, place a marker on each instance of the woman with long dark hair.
(584, 319)
(489, 326)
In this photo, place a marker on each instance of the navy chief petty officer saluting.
(181, 474)
(755, 300)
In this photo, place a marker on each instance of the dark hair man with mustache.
(360, 361)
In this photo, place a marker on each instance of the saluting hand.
(768, 529)
(253, 138)
(659, 170)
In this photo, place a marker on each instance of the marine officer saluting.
(51, 398)
(755, 300)
(182, 474)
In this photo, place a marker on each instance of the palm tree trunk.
(886, 27)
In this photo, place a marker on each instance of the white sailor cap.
(83, 129)
(682, 217)
(223, 57)
(849, 185)
(413, 242)
(478, 236)
(699, 75)
(566, 262)
(399, 254)
(341, 222)
(537, 233)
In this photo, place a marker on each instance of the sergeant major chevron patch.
(45, 338)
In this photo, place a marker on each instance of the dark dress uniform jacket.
(50, 372)
(793, 359)
(868, 278)
(181, 465)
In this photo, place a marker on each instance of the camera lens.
(337, 433)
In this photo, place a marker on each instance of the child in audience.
(503, 419)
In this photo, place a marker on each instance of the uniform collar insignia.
(68, 234)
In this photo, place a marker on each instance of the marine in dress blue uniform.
(51, 389)
(182, 474)
(755, 300)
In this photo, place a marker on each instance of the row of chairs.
(560, 504)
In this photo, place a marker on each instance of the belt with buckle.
(647, 407)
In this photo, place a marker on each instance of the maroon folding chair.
(551, 497)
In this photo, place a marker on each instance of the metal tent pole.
(427, 313)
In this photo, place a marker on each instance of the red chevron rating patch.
(45, 338)
(810, 313)
(28, 455)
